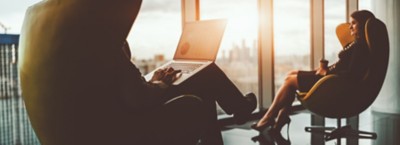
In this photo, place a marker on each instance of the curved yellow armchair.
(334, 96)
(68, 52)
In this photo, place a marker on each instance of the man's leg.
(212, 84)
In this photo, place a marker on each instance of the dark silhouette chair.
(335, 97)
(70, 73)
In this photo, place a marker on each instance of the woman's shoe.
(278, 138)
(282, 121)
(267, 140)
(269, 123)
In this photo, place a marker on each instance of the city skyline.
(158, 25)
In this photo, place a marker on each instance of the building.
(15, 127)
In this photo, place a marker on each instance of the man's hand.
(166, 75)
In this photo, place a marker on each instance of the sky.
(12, 11)
(157, 31)
(158, 25)
(12, 14)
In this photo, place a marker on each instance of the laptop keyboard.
(185, 67)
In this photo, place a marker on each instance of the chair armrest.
(185, 118)
(185, 99)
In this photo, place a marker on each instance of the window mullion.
(266, 53)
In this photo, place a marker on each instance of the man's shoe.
(243, 115)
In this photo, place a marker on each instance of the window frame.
(191, 12)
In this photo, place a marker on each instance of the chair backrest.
(377, 39)
(363, 94)
(69, 57)
(343, 34)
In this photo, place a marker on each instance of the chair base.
(341, 132)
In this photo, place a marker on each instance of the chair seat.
(326, 95)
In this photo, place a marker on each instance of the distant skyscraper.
(15, 128)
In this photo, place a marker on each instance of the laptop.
(197, 48)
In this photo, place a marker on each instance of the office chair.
(335, 97)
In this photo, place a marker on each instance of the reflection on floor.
(387, 127)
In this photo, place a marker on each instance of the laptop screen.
(200, 40)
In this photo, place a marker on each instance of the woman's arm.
(352, 63)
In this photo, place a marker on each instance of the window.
(237, 56)
(291, 37)
(365, 5)
(155, 33)
(15, 127)
(335, 14)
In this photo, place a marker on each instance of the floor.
(387, 127)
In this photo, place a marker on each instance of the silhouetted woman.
(351, 63)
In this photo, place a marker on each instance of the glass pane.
(365, 5)
(335, 14)
(15, 127)
(291, 37)
(155, 33)
(237, 56)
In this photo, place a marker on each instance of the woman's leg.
(283, 117)
(284, 112)
(283, 98)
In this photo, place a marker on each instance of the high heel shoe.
(278, 138)
(282, 122)
(269, 123)
(267, 140)
(276, 131)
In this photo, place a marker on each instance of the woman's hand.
(321, 71)
(166, 75)
(323, 68)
